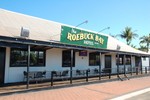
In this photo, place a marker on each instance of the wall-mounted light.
(103, 29)
(82, 23)
(73, 29)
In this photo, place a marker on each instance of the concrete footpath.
(98, 91)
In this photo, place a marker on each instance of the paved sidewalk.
(98, 91)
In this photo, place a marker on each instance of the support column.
(141, 65)
(149, 65)
(131, 66)
(118, 65)
(100, 62)
(28, 65)
(124, 63)
(71, 66)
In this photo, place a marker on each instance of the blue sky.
(116, 14)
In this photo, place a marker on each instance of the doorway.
(2, 64)
(108, 63)
(138, 61)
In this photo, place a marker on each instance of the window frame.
(25, 50)
(69, 59)
(144, 58)
(44, 57)
(121, 60)
(128, 57)
(95, 56)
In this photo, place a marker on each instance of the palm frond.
(128, 35)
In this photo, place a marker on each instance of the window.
(37, 58)
(18, 57)
(94, 59)
(128, 60)
(121, 60)
(66, 58)
(144, 58)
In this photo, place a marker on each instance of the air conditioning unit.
(24, 32)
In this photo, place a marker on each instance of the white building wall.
(113, 63)
(102, 61)
(145, 61)
(15, 74)
(54, 59)
(121, 67)
(81, 62)
(133, 61)
(54, 62)
(7, 60)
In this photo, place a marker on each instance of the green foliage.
(128, 34)
(33, 58)
(145, 40)
(133, 46)
(143, 48)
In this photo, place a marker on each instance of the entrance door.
(2, 64)
(138, 61)
(108, 63)
(138, 64)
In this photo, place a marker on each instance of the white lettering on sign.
(88, 42)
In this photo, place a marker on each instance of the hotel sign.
(82, 38)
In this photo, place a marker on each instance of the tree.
(133, 46)
(143, 48)
(114, 36)
(145, 40)
(128, 34)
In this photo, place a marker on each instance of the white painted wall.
(114, 66)
(7, 60)
(54, 62)
(82, 62)
(113, 61)
(15, 74)
(145, 61)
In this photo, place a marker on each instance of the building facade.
(48, 46)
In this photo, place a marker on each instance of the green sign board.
(82, 38)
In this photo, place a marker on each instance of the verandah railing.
(79, 74)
